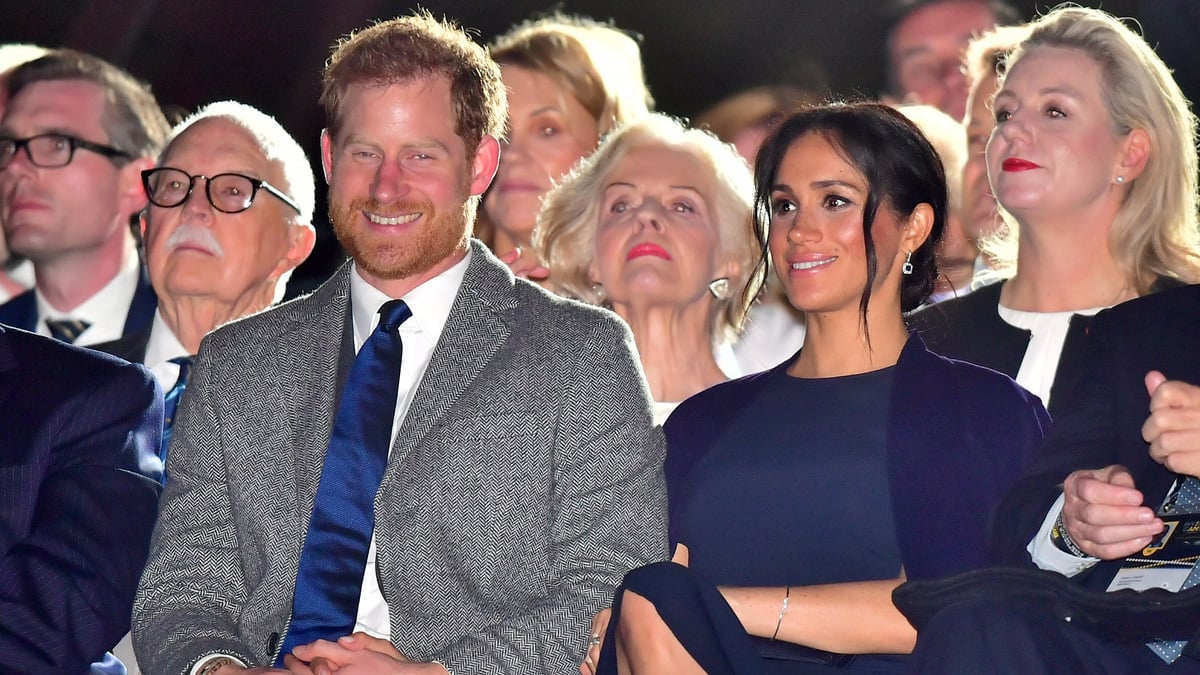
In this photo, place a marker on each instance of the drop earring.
(907, 267)
(719, 288)
(598, 291)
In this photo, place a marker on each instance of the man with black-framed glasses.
(230, 214)
(231, 204)
(229, 217)
(76, 134)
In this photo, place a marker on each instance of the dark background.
(269, 53)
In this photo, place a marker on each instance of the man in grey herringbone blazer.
(524, 478)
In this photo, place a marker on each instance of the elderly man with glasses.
(76, 134)
(231, 203)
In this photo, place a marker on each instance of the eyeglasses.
(51, 151)
(227, 192)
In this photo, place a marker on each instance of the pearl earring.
(1120, 179)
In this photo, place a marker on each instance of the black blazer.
(1103, 415)
(970, 329)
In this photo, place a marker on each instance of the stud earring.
(1120, 179)
(598, 291)
(719, 288)
(907, 267)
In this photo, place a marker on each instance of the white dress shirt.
(160, 349)
(1047, 556)
(430, 304)
(105, 311)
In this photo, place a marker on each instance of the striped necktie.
(171, 406)
(67, 330)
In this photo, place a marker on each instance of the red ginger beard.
(439, 236)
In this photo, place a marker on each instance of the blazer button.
(272, 643)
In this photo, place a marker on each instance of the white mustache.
(194, 235)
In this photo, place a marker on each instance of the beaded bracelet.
(1063, 541)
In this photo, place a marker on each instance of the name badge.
(1167, 561)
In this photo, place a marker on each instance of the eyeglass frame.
(256, 185)
(75, 143)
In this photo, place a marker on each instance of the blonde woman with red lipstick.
(656, 225)
(1093, 162)
(570, 80)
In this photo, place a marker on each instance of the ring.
(594, 642)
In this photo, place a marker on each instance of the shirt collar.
(112, 300)
(162, 345)
(430, 303)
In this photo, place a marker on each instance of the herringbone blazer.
(525, 480)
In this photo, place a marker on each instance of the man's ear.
(484, 165)
(326, 154)
(131, 192)
(301, 240)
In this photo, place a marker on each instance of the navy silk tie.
(171, 406)
(329, 579)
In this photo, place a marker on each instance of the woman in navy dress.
(800, 497)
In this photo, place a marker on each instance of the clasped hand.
(357, 654)
(1103, 510)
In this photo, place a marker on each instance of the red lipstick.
(647, 249)
(1018, 164)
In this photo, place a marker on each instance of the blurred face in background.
(549, 131)
(194, 249)
(979, 206)
(925, 52)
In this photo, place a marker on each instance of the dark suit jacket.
(78, 498)
(525, 481)
(131, 346)
(1105, 412)
(21, 310)
(958, 437)
(970, 329)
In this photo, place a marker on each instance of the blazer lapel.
(313, 355)
(475, 329)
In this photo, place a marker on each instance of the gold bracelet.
(787, 593)
(213, 665)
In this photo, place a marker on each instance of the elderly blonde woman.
(1093, 163)
(570, 80)
(656, 225)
